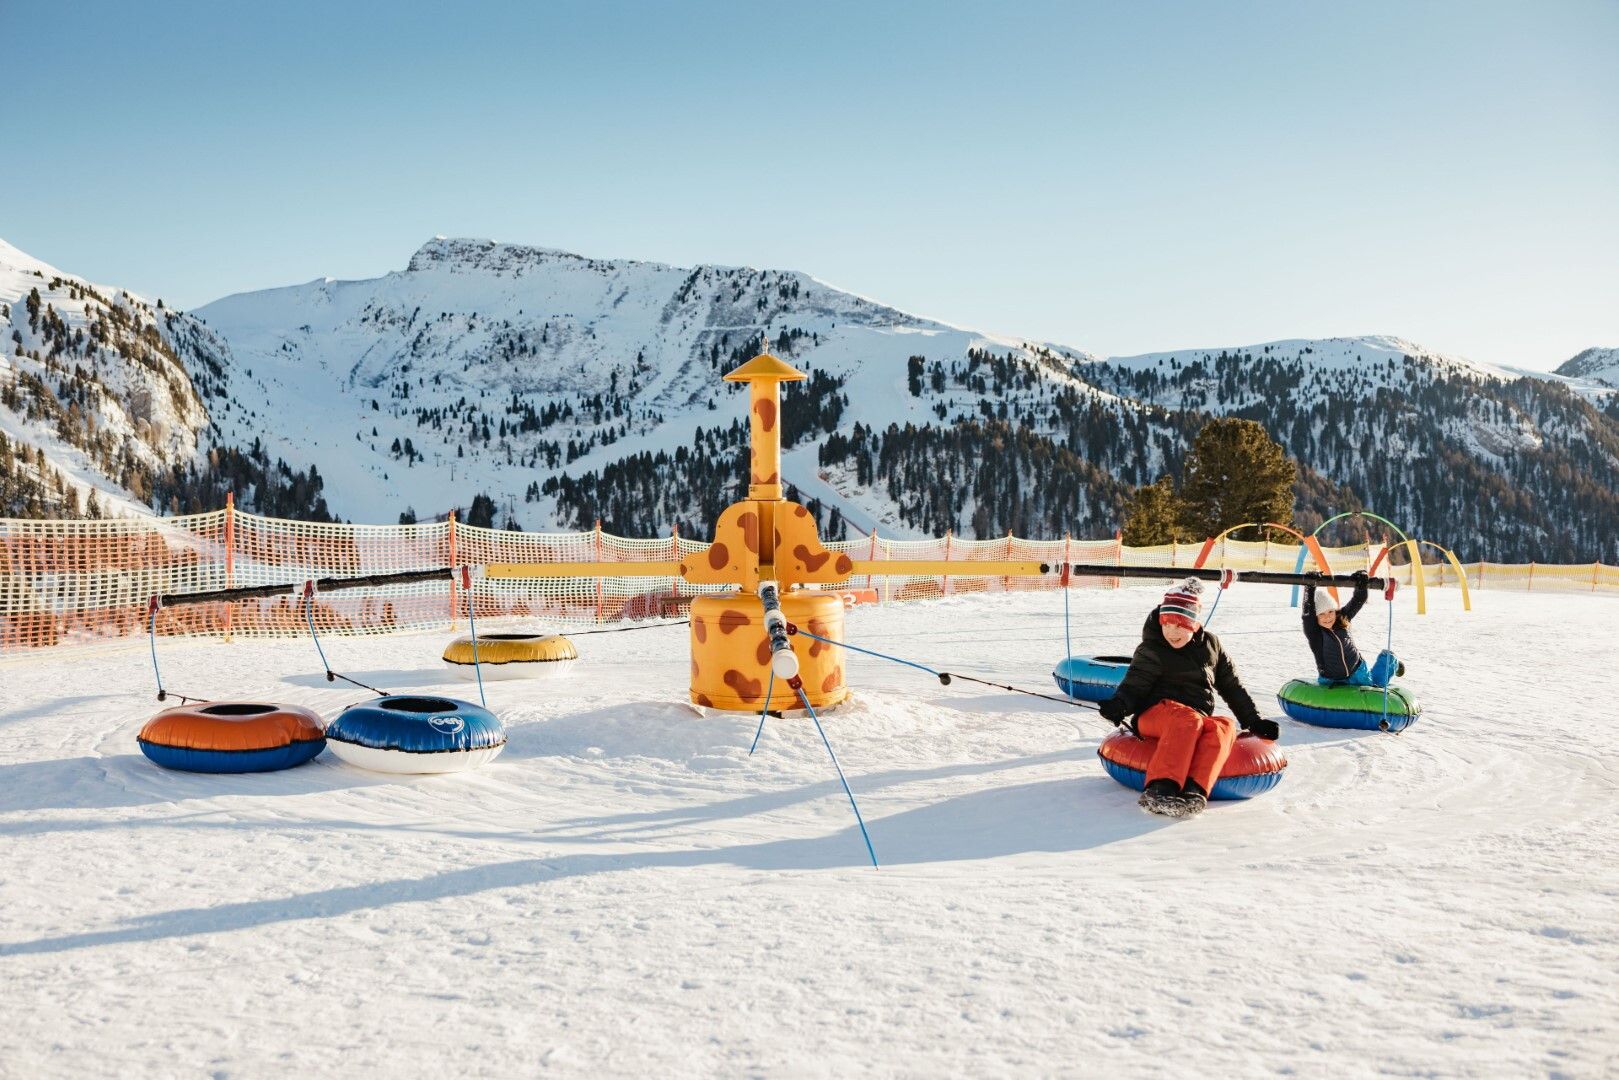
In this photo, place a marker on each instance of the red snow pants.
(1191, 746)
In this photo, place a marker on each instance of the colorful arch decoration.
(1412, 547)
(1422, 593)
(1456, 564)
(1309, 545)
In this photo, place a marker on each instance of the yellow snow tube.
(513, 656)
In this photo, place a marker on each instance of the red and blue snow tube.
(1254, 767)
(232, 737)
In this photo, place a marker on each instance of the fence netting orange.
(83, 582)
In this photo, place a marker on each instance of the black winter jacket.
(1190, 675)
(1336, 657)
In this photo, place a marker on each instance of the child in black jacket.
(1337, 660)
(1169, 689)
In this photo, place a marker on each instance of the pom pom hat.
(1183, 605)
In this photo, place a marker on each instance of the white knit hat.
(1324, 601)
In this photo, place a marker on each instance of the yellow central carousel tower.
(765, 538)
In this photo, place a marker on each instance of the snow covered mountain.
(493, 369)
(1593, 365)
(104, 405)
(543, 390)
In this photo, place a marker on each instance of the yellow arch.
(1461, 575)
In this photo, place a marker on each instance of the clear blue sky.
(1119, 177)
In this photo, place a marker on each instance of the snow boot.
(1161, 797)
(1400, 670)
(1193, 799)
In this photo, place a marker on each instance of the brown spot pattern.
(718, 555)
(832, 681)
(815, 626)
(799, 509)
(731, 618)
(750, 530)
(763, 652)
(694, 669)
(810, 562)
(699, 628)
(704, 701)
(844, 564)
(766, 411)
(747, 689)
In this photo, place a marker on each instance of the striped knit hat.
(1183, 605)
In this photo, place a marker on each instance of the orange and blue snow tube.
(232, 737)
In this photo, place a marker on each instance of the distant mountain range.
(541, 389)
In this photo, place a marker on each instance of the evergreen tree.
(1152, 515)
(1235, 473)
(482, 513)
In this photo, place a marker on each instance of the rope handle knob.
(1388, 587)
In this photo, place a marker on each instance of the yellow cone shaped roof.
(765, 366)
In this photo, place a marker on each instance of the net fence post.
(230, 557)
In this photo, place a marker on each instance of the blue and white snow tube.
(415, 734)
(1091, 678)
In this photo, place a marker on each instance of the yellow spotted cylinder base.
(730, 652)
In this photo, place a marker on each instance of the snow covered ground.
(626, 892)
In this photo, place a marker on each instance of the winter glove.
(1361, 577)
(1265, 729)
(1113, 710)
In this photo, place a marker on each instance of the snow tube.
(232, 737)
(512, 656)
(412, 734)
(1091, 678)
(1343, 706)
(1254, 767)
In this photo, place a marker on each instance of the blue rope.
(476, 668)
(856, 806)
(152, 635)
(1390, 649)
(870, 652)
(1067, 639)
(1213, 608)
(331, 676)
(309, 614)
(764, 712)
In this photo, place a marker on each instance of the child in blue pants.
(1337, 660)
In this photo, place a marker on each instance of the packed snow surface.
(626, 892)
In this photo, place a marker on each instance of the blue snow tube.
(408, 733)
(1091, 678)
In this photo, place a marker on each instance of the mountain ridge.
(559, 388)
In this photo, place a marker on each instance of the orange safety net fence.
(83, 582)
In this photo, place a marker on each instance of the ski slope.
(627, 893)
